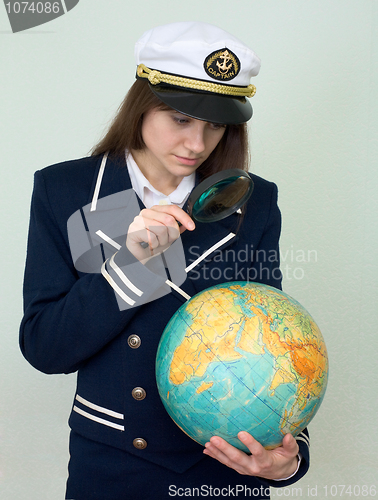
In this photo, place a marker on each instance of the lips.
(188, 161)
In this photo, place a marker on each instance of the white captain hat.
(200, 70)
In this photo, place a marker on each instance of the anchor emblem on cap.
(222, 64)
(223, 68)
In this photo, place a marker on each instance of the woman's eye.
(216, 126)
(180, 120)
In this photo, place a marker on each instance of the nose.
(195, 139)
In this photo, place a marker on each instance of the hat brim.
(205, 106)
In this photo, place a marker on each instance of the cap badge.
(222, 64)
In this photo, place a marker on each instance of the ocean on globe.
(242, 356)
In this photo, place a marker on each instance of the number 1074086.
(345, 490)
(33, 7)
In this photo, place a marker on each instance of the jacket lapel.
(115, 177)
(202, 245)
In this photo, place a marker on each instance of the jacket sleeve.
(68, 317)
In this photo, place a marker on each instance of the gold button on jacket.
(138, 393)
(134, 341)
(140, 443)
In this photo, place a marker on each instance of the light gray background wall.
(314, 133)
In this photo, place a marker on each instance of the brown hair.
(125, 133)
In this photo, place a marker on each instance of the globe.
(242, 356)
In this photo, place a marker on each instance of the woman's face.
(176, 145)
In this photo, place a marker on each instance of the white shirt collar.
(151, 196)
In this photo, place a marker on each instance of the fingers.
(227, 454)
(260, 459)
(162, 228)
(290, 445)
(254, 446)
(177, 213)
(155, 229)
(270, 464)
(160, 234)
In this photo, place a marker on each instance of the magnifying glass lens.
(222, 198)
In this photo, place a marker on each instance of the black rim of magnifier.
(211, 181)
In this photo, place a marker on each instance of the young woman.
(98, 293)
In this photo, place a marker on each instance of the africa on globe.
(242, 356)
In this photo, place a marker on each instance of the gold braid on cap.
(155, 77)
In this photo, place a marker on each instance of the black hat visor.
(214, 108)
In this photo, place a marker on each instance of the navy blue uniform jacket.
(72, 320)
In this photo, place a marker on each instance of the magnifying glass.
(218, 196)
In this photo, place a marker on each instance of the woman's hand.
(155, 229)
(279, 463)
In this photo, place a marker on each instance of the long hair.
(125, 133)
